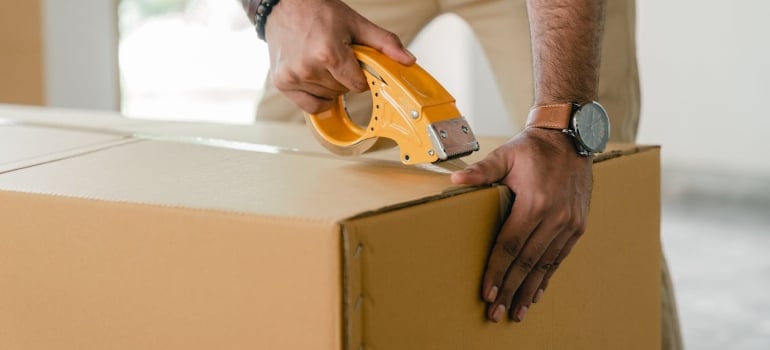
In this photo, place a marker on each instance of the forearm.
(566, 49)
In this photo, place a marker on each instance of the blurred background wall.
(21, 61)
(80, 42)
(705, 67)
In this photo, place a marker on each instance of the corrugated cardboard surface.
(160, 242)
(423, 297)
(88, 274)
(24, 146)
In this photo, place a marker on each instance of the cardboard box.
(121, 234)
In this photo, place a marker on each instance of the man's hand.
(552, 186)
(310, 56)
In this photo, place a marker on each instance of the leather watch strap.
(555, 116)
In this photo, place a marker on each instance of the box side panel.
(414, 279)
(86, 274)
(622, 244)
(420, 272)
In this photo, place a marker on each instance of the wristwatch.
(588, 124)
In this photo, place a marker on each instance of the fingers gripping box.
(126, 234)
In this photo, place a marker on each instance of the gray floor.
(716, 236)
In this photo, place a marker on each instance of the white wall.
(705, 69)
(81, 62)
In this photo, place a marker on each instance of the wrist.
(587, 125)
(577, 98)
(258, 11)
(556, 144)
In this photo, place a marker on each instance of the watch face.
(592, 126)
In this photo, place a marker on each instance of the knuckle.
(555, 264)
(311, 107)
(510, 246)
(576, 226)
(525, 263)
(328, 58)
(279, 84)
(580, 229)
(578, 221)
(554, 254)
(550, 264)
(392, 37)
(321, 106)
(564, 218)
(540, 203)
(301, 73)
(352, 75)
(282, 80)
(309, 104)
(359, 82)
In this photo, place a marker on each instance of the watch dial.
(592, 126)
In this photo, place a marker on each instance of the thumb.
(489, 170)
(369, 34)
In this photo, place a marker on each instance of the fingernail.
(521, 313)
(497, 316)
(410, 53)
(538, 295)
(463, 171)
(492, 294)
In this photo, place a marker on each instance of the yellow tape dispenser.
(408, 106)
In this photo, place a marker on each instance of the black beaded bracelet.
(260, 18)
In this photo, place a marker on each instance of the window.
(189, 60)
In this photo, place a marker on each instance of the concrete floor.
(716, 236)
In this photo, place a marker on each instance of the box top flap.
(265, 169)
(24, 146)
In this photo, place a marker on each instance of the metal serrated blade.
(445, 167)
(452, 138)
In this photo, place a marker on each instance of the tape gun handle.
(421, 88)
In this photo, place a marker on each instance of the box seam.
(69, 154)
(602, 157)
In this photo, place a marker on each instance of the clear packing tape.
(444, 167)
